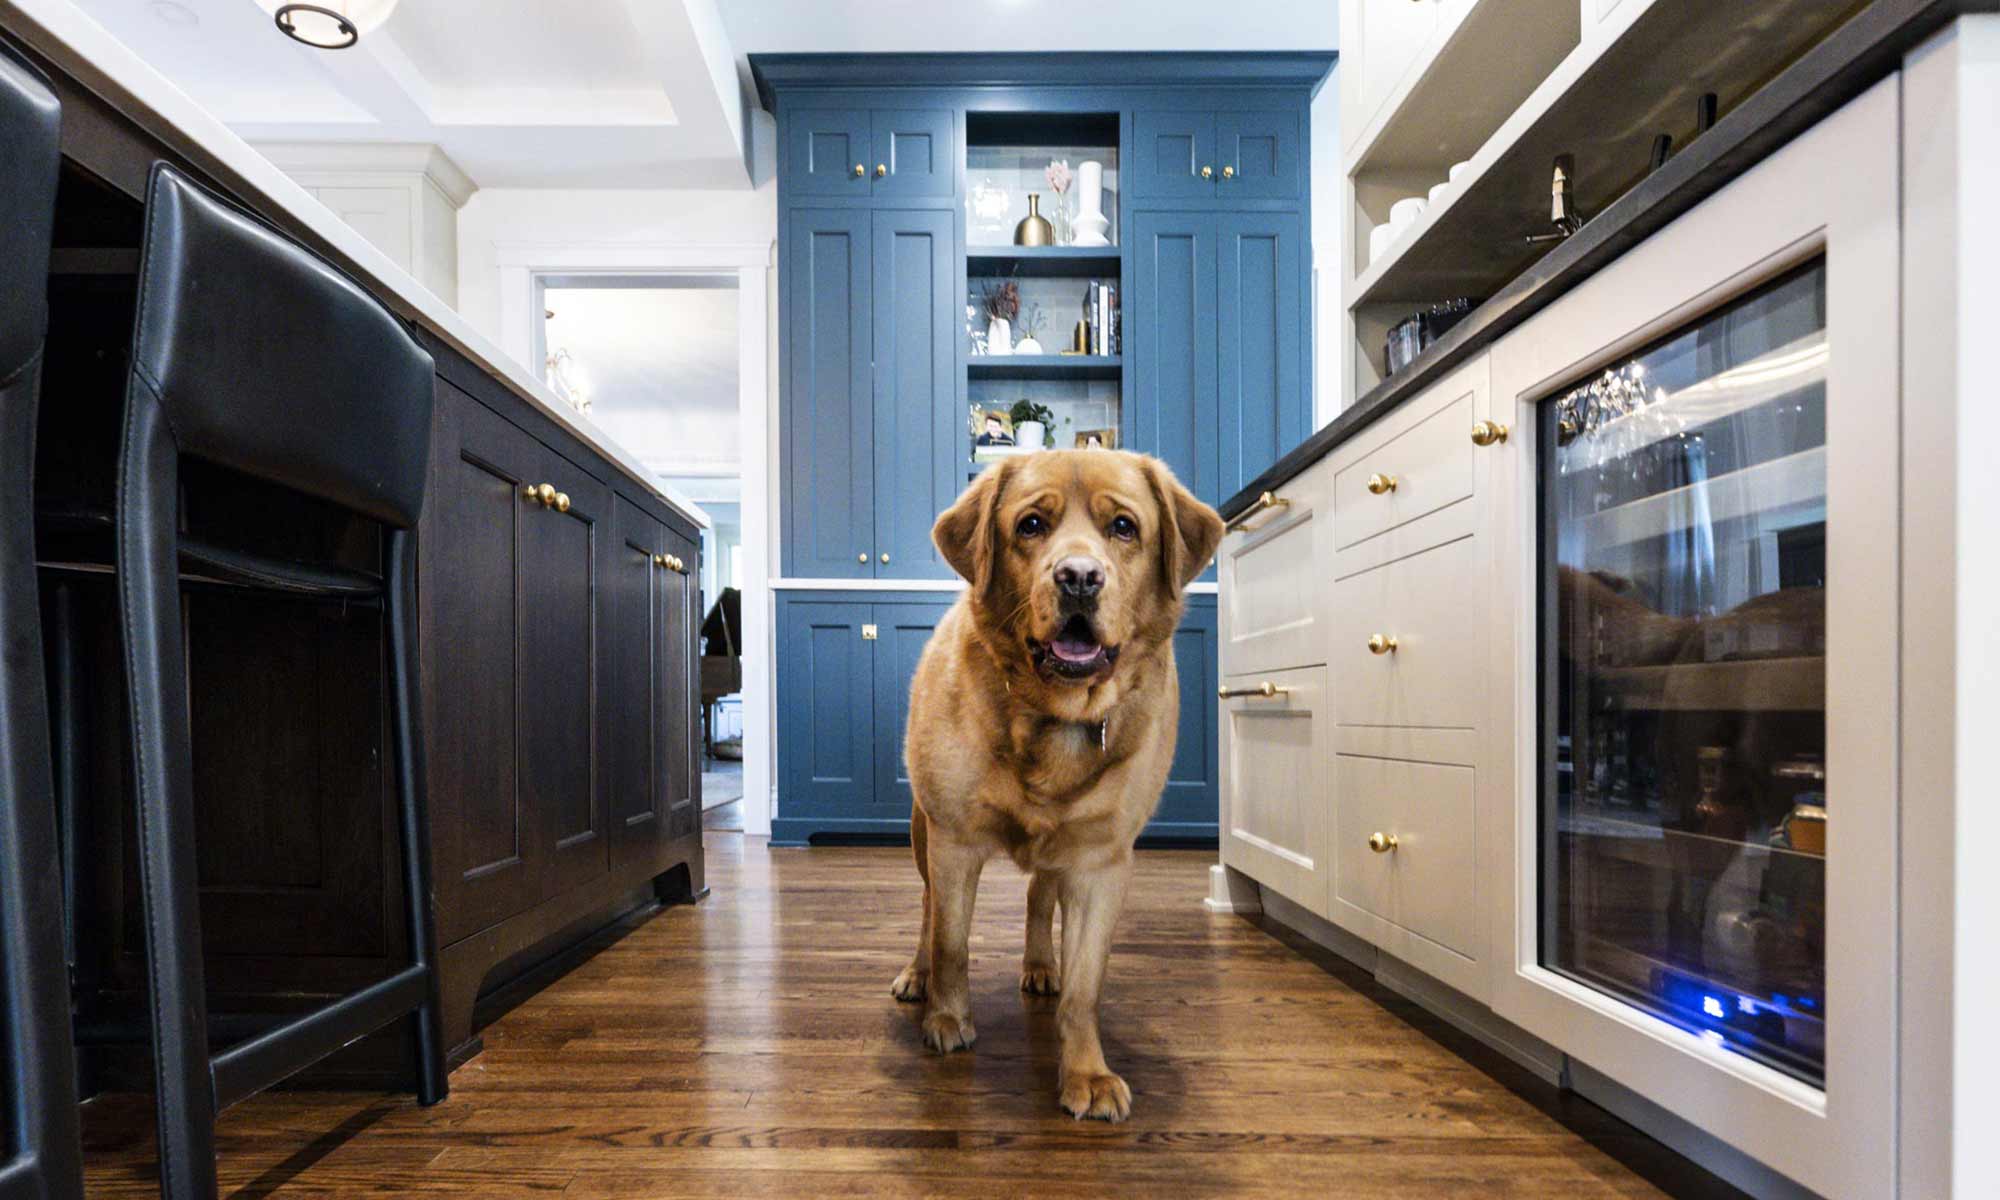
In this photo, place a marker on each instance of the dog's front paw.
(1099, 1097)
(945, 1033)
(1040, 979)
(912, 985)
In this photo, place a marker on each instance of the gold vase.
(1034, 229)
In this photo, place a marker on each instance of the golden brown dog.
(1042, 722)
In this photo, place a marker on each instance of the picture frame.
(1097, 439)
(993, 427)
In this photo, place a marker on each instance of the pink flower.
(1058, 175)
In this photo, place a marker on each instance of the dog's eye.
(1032, 525)
(1124, 528)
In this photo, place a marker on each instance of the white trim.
(384, 159)
(1231, 891)
(522, 263)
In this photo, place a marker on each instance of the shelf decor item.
(1097, 439)
(991, 427)
(1059, 177)
(1031, 423)
(1034, 229)
(1003, 304)
(1091, 224)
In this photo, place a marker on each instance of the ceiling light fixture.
(330, 24)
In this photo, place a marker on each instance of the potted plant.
(1003, 304)
(1031, 423)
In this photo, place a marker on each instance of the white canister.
(1089, 187)
(1457, 169)
(999, 337)
(1029, 435)
(1438, 191)
(1404, 213)
(1378, 241)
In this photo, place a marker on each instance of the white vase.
(1088, 230)
(1089, 187)
(1028, 345)
(1028, 435)
(999, 337)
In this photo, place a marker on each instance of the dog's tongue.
(1075, 643)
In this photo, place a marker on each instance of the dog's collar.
(1103, 725)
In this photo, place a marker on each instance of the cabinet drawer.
(1418, 471)
(1423, 883)
(1277, 802)
(1431, 607)
(1272, 582)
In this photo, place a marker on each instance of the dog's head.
(1077, 557)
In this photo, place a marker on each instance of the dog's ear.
(964, 533)
(1192, 532)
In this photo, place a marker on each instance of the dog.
(1042, 721)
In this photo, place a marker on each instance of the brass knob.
(1208, 172)
(546, 493)
(1381, 484)
(659, 560)
(530, 493)
(1381, 843)
(1381, 643)
(562, 501)
(885, 559)
(1229, 172)
(861, 558)
(881, 169)
(1485, 433)
(859, 170)
(678, 564)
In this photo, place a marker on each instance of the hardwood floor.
(748, 1046)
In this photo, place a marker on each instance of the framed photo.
(993, 427)
(1097, 439)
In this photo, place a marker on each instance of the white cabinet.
(1270, 564)
(1277, 795)
(1405, 863)
(404, 198)
(1380, 41)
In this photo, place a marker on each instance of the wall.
(1328, 252)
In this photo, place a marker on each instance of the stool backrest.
(271, 362)
(30, 119)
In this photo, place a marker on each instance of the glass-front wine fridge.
(1682, 565)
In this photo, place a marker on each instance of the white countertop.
(148, 90)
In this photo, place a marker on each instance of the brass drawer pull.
(1265, 690)
(1381, 843)
(561, 502)
(1267, 500)
(1381, 643)
(1485, 433)
(1381, 485)
(659, 560)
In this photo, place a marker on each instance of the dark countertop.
(1867, 48)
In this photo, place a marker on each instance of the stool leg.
(405, 701)
(163, 777)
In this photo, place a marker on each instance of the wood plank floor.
(748, 1046)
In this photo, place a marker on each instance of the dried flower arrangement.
(1003, 300)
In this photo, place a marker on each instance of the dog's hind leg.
(1038, 964)
(914, 983)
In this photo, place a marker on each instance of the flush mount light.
(330, 24)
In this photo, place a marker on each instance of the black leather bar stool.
(251, 353)
(39, 1155)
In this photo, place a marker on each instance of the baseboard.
(1696, 1145)
(1231, 891)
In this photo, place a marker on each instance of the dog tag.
(867, 633)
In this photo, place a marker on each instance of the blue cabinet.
(829, 455)
(845, 661)
(1259, 155)
(1192, 797)
(1217, 322)
(856, 154)
(1170, 150)
(869, 415)
(1217, 158)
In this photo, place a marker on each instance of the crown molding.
(374, 158)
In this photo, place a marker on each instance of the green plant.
(1026, 410)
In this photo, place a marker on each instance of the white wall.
(1327, 230)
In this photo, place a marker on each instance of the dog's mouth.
(1074, 652)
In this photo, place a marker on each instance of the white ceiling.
(618, 93)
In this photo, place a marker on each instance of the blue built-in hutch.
(901, 178)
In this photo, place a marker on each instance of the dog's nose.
(1080, 577)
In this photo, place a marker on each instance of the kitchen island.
(558, 594)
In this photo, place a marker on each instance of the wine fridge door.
(1684, 796)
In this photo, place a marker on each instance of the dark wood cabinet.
(648, 694)
(678, 618)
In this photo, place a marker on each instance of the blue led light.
(1712, 1006)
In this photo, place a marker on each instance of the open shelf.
(1045, 262)
(1043, 366)
(1006, 154)
(1603, 104)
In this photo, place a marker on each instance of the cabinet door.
(1171, 325)
(636, 791)
(1260, 344)
(564, 553)
(829, 509)
(826, 726)
(918, 432)
(903, 630)
(913, 154)
(1277, 793)
(1188, 803)
(827, 153)
(1170, 149)
(679, 599)
(484, 836)
(1257, 156)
